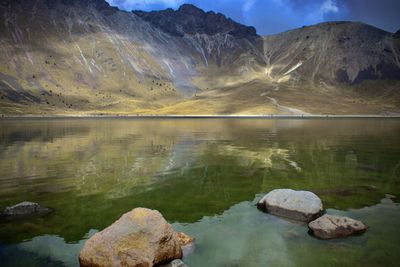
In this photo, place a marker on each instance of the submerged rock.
(291, 234)
(330, 226)
(302, 206)
(141, 237)
(175, 263)
(390, 196)
(24, 209)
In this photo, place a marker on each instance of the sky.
(275, 16)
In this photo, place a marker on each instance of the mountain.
(189, 19)
(86, 57)
(335, 53)
(213, 38)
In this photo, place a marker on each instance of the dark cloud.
(383, 14)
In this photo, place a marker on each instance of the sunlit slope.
(79, 57)
(87, 57)
(263, 97)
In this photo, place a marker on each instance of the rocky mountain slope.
(86, 57)
(215, 37)
(334, 53)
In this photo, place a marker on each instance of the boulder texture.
(185, 240)
(141, 237)
(187, 244)
(302, 206)
(23, 209)
(330, 226)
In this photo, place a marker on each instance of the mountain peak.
(190, 8)
(189, 19)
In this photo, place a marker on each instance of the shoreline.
(269, 116)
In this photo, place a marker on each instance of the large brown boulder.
(141, 237)
(330, 226)
(302, 206)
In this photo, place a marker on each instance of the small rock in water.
(390, 196)
(23, 209)
(302, 206)
(330, 226)
(141, 237)
(370, 167)
(291, 234)
(175, 263)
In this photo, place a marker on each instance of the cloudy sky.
(274, 16)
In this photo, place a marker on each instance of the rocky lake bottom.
(205, 176)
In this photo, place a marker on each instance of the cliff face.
(85, 56)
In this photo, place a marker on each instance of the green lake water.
(204, 176)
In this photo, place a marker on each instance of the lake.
(204, 176)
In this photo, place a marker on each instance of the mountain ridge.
(89, 57)
(189, 19)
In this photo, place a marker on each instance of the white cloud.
(326, 7)
(248, 4)
(329, 6)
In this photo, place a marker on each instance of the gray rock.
(25, 208)
(330, 226)
(302, 206)
(175, 263)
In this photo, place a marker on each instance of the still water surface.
(204, 176)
